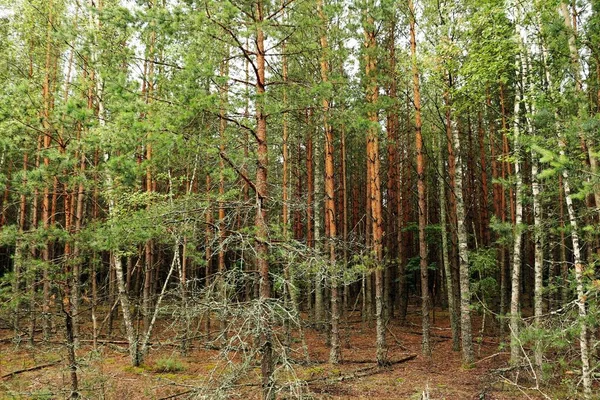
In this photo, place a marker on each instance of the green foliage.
(168, 365)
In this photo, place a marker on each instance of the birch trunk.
(115, 257)
(463, 252)
(521, 77)
(577, 73)
(515, 348)
(579, 267)
(454, 318)
(537, 224)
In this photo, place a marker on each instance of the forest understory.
(105, 373)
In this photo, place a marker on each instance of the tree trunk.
(330, 216)
(262, 247)
(221, 285)
(404, 236)
(425, 298)
(46, 89)
(515, 347)
(19, 256)
(577, 74)
(586, 375)
(454, 317)
(452, 218)
(484, 224)
(208, 252)
(393, 172)
(116, 262)
(579, 278)
(506, 173)
(463, 253)
(372, 94)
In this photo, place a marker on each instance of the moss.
(135, 370)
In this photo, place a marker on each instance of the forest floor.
(107, 374)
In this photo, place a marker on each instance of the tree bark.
(330, 215)
(261, 246)
(463, 253)
(372, 94)
(393, 171)
(454, 317)
(425, 298)
(46, 92)
(515, 347)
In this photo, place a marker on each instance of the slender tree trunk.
(425, 298)
(34, 225)
(372, 94)
(70, 339)
(330, 216)
(463, 253)
(345, 218)
(579, 278)
(262, 247)
(150, 272)
(208, 252)
(506, 173)
(452, 212)
(115, 256)
(483, 207)
(537, 223)
(515, 347)
(404, 236)
(46, 89)
(19, 257)
(539, 258)
(454, 317)
(564, 266)
(586, 375)
(393, 171)
(221, 286)
(319, 306)
(577, 73)
(289, 296)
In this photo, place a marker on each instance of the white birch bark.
(579, 267)
(454, 320)
(515, 347)
(463, 253)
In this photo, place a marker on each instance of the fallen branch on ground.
(492, 356)
(20, 371)
(360, 373)
(178, 394)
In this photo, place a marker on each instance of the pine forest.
(300, 199)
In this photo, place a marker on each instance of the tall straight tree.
(330, 216)
(393, 163)
(423, 263)
(586, 377)
(463, 251)
(373, 170)
(262, 248)
(515, 347)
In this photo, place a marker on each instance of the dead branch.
(362, 372)
(178, 394)
(20, 371)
